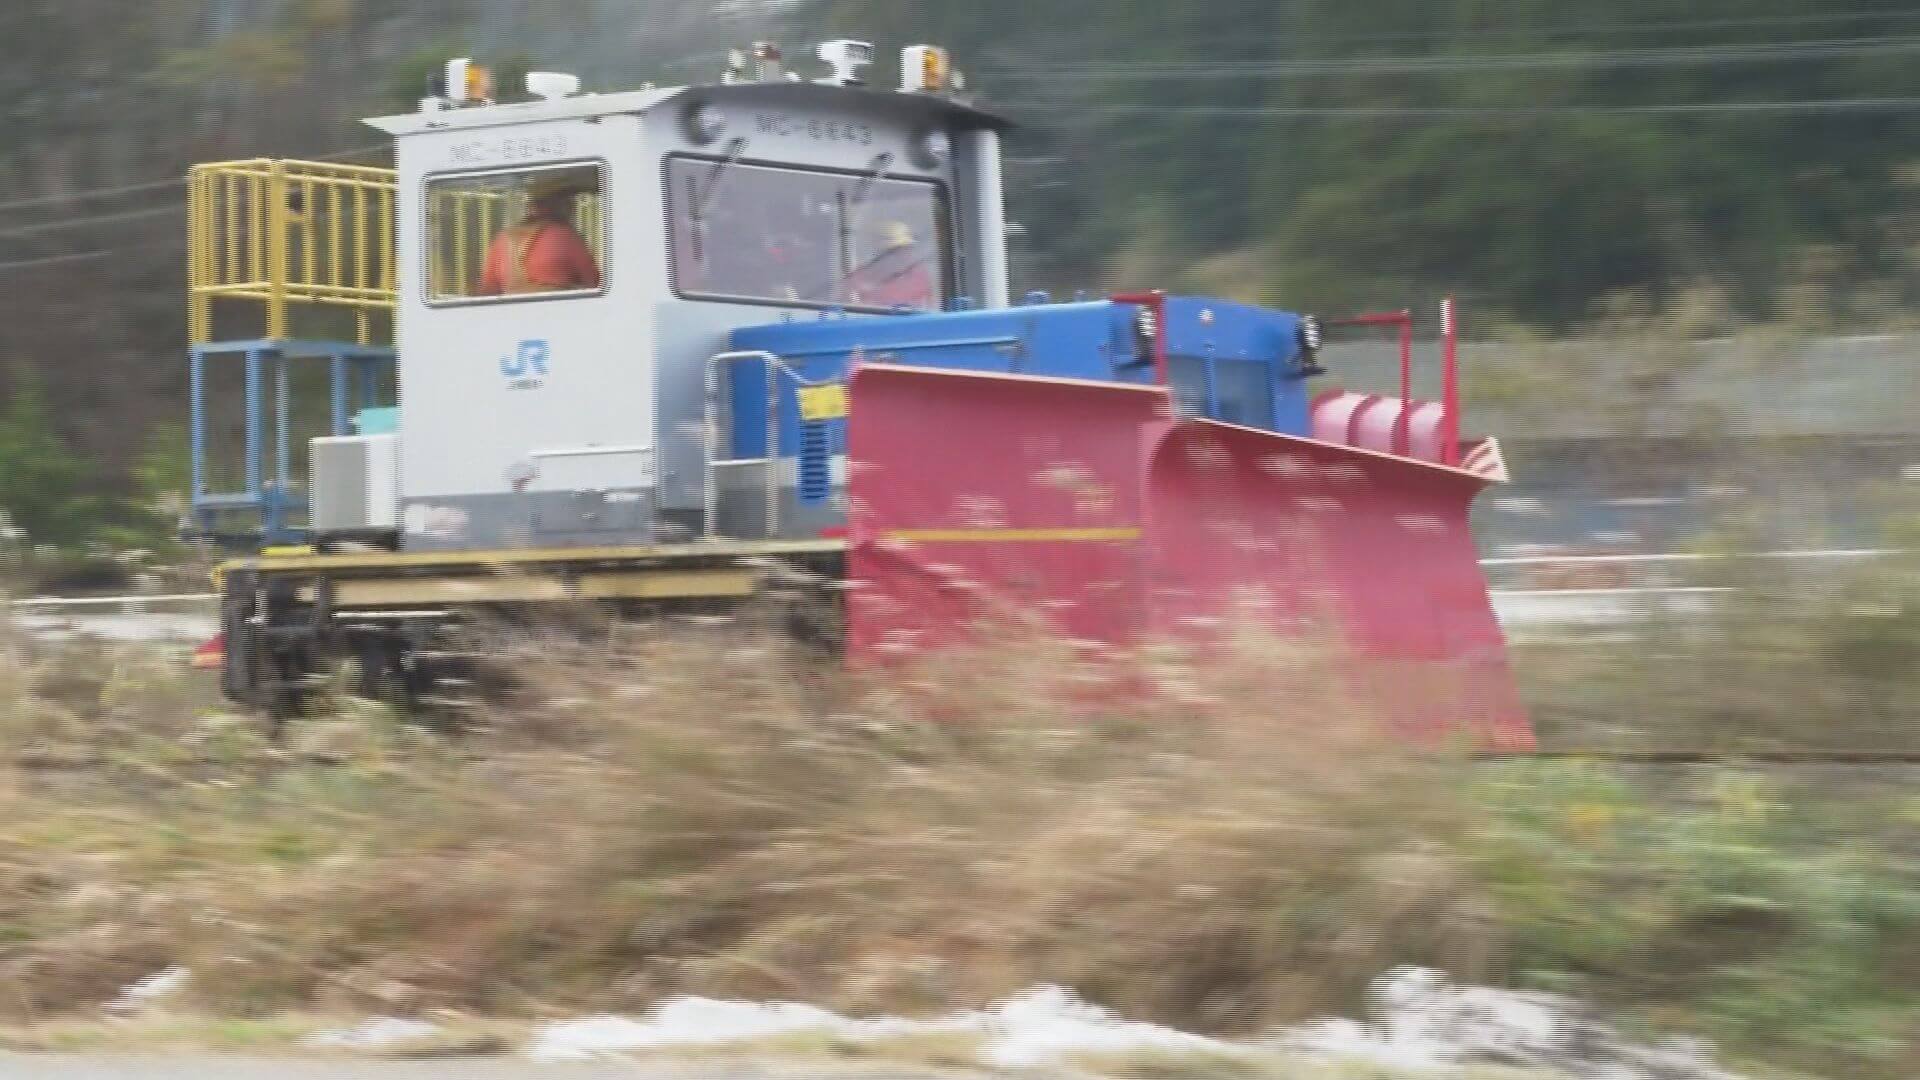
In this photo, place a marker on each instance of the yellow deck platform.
(724, 569)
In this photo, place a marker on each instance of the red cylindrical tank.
(1415, 429)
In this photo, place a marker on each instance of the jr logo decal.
(525, 368)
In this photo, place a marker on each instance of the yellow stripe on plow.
(1015, 536)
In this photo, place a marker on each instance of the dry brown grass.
(691, 811)
(695, 810)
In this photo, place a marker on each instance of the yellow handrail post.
(278, 234)
(230, 187)
(199, 314)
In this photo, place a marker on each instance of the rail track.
(1521, 606)
(189, 617)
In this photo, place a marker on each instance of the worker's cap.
(896, 234)
(550, 185)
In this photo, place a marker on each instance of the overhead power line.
(95, 219)
(1648, 26)
(155, 185)
(136, 215)
(1475, 63)
(91, 193)
(1842, 105)
(78, 256)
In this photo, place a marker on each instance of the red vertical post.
(1402, 437)
(1450, 384)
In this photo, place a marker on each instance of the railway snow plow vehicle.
(672, 347)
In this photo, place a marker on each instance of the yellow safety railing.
(285, 234)
(461, 224)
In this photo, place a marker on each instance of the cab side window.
(516, 234)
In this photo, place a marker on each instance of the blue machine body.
(1226, 361)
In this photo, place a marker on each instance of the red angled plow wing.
(1090, 505)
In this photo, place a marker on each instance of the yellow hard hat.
(897, 235)
(548, 185)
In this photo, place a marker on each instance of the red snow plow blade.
(1093, 507)
(210, 655)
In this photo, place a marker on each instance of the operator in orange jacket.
(542, 252)
(897, 275)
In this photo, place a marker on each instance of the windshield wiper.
(876, 171)
(849, 216)
(735, 148)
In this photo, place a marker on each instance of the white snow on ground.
(1421, 1023)
(1047, 1024)
(1031, 1028)
(151, 990)
(1424, 1023)
(379, 1033)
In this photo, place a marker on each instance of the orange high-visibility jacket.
(538, 255)
(896, 278)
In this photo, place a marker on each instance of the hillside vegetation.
(1532, 158)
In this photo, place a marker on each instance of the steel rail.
(1708, 757)
(143, 600)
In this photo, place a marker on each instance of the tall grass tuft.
(698, 809)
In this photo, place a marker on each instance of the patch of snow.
(149, 991)
(574, 1040)
(1034, 1027)
(1048, 1024)
(1421, 1022)
(685, 1023)
(378, 1033)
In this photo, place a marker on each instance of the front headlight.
(704, 122)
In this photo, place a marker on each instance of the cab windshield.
(806, 237)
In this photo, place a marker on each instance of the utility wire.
(96, 219)
(1842, 105)
(79, 256)
(1650, 26)
(1693, 56)
(92, 193)
(157, 185)
(135, 215)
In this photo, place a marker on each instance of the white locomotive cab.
(524, 331)
(567, 266)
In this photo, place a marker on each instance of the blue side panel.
(1236, 355)
(747, 403)
(1228, 361)
(1071, 340)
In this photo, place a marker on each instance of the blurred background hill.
(1547, 164)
